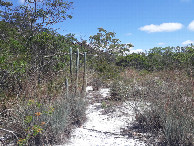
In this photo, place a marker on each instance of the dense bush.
(138, 61)
(160, 59)
(44, 54)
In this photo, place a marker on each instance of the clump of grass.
(119, 90)
(170, 97)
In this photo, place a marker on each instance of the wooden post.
(67, 88)
(84, 77)
(71, 64)
(77, 70)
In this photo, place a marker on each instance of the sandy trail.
(102, 129)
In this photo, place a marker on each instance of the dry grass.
(170, 96)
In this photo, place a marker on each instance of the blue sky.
(144, 23)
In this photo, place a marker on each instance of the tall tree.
(35, 13)
(106, 41)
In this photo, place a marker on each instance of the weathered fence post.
(84, 76)
(77, 70)
(71, 65)
(67, 88)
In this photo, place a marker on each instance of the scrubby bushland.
(168, 100)
(34, 109)
(43, 114)
(157, 59)
(34, 62)
(106, 49)
(27, 45)
(46, 55)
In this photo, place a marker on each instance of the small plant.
(33, 122)
(104, 104)
(37, 122)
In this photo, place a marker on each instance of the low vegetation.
(167, 99)
(41, 113)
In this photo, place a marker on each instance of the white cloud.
(135, 51)
(188, 42)
(161, 44)
(164, 27)
(191, 26)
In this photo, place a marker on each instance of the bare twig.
(12, 132)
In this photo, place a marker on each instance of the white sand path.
(103, 129)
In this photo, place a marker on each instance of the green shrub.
(158, 58)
